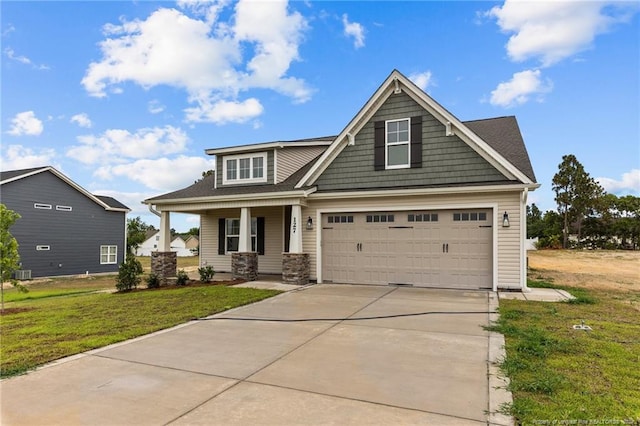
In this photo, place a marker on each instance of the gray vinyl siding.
(74, 236)
(446, 160)
(290, 160)
(220, 170)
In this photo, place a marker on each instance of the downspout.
(154, 211)
(523, 239)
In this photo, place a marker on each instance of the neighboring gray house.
(63, 229)
(405, 194)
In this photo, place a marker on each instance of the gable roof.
(396, 82)
(108, 203)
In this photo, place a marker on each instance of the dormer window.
(246, 168)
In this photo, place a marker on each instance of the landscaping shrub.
(152, 281)
(206, 274)
(129, 274)
(182, 277)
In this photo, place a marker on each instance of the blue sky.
(124, 97)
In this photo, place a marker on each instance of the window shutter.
(416, 142)
(221, 235)
(260, 235)
(378, 150)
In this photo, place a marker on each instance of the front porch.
(249, 241)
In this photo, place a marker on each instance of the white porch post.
(244, 245)
(295, 239)
(164, 244)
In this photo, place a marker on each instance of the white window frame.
(43, 247)
(42, 206)
(112, 252)
(236, 159)
(387, 144)
(227, 235)
(64, 208)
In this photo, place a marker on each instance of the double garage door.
(426, 248)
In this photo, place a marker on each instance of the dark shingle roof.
(111, 202)
(10, 174)
(503, 135)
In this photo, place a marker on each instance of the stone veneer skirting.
(244, 265)
(295, 268)
(164, 264)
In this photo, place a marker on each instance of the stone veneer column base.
(295, 268)
(164, 264)
(244, 265)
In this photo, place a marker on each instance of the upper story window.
(249, 168)
(42, 206)
(397, 144)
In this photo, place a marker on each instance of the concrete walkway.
(323, 354)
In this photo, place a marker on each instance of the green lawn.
(55, 327)
(558, 373)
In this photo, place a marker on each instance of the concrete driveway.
(324, 354)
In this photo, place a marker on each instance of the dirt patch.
(9, 311)
(190, 283)
(598, 269)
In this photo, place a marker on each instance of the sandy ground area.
(600, 269)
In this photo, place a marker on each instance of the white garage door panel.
(450, 249)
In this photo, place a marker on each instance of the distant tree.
(577, 194)
(136, 233)
(205, 174)
(535, 225)
(9, 256)
(194, 231)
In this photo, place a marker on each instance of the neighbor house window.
(42, 206)
(64, 208)
(397, 144)
(43, 248)
(108, 255)
(245, 168)
(233, 234)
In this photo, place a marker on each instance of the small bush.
(206, 274)
(129, 274)
(182, 277)
(152, 281)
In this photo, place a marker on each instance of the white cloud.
(422, 79)
(26, 123)
(204, 57)
(117, 145)
(355, 30)
(11, 54)
(133, 200)
(155, 106)
(522, 86)
(223, 112)
(81, 120)
(630, 182)
(161, 174)
(554, 30)
(19, 157)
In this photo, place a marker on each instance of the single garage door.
(440, 248)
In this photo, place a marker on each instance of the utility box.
(23, 274)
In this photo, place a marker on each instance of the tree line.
(587, 216)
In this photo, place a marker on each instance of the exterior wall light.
(309, 224)
(505, 220)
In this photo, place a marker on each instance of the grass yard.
(54, 326)
(561, 374)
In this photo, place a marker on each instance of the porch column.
(164, 244)
(164, 262)
(244, 245)
(244, 263)
(295, 238)
(295, 263)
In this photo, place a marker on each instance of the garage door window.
(380, 218)
(422, 217)
(340, 219)
(472, 216)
